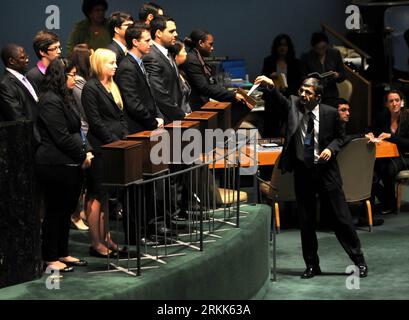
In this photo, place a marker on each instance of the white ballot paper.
(254, 87)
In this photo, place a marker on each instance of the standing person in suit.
(148, 11)
(80, 56)
(179, 54)
(140, 107)
(321, 58)
(198, 73)
(118, 23)
(18, 96)
(314, 136)
(103, 106)
(47, 48)
(60, 160)
(162, 69)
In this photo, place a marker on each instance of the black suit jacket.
(140, 107)
(105, 119)
(202, 88)
(16, 102)
(165, 85)
(120, 54)
(35, 76)
(331, 135)
(401, 136)
(59, 125)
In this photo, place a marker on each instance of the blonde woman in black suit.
(103, 106)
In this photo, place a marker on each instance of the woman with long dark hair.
(60, 160)
(282, 60)
(80, 56)
(179, 53)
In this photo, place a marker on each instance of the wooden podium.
(182, 126)
(223, 110)
(122, 162)
(145, 137)
(207, 119)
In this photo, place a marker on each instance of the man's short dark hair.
(88, 5)
(159, 23)
(134, 32)
(116, 20)
(42, 40)
(318, 37)
(148, 8)
(9, 51)
(316, 84)
(339, 101)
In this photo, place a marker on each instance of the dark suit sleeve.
(160, 93)
(11, 108)
(52, 114)
(339, 136)
(127, 80)
(197, 78)
(96, 125)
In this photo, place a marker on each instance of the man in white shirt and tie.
(118, 24)
(18, 97)
(162, 70)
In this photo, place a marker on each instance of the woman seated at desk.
(391, 125)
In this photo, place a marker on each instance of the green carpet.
(386, 252)
(235, 267)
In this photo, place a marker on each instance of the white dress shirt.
(303, 130)
(24, 81)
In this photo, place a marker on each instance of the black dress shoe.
(79, 263)
(97, 254)
(363, 270)
(311, 271)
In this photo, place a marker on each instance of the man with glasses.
(47, 48)
(314, 136)
(118, 24)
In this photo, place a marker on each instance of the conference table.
(267, 156)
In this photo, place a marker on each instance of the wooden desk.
(386, 149)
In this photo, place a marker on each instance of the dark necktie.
(309, 142)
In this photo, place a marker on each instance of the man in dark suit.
(140, 108)
(18, 97)
(314, 136)
(47, 48)
(118, 24)
(162, 70)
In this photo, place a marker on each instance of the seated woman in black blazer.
(199, 74)
(391, 125)
(60, 160)
(103, 106)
